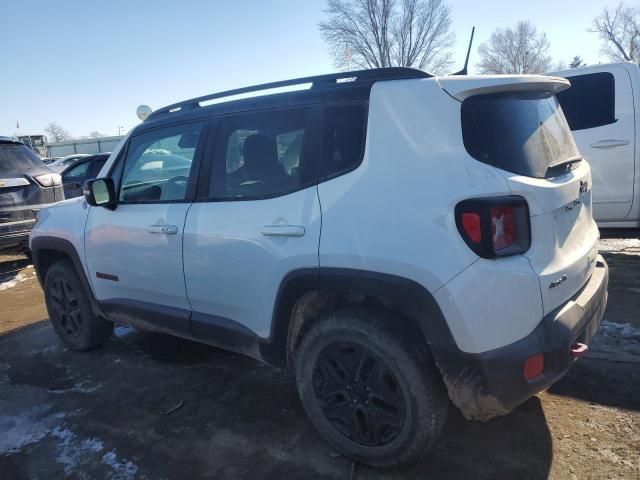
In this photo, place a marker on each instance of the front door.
(600, 112)
(74, 177)
(134, 252)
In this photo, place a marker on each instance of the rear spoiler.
(463, 87)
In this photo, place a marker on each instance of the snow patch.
(120, 470)
(25, 428)
(123, 330)
(618, 342)
(22, 276)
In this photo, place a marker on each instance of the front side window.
(77, 172)
(158, 164)
(590, 102)
(520, 132)
(263, 154)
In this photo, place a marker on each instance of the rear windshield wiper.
(564, 163)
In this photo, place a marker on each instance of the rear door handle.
(610, 143)
(282, 230)
(166, 229)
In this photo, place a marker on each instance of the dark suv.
(26, 185)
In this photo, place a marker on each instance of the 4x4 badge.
(584, 186)
(555, 283)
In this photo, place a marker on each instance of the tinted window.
(77, 172)
(158, 164)
(17, 159)
(590, 102)
(344, 136)
(521, 132)
(263, 154)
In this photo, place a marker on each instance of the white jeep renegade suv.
(398, 240)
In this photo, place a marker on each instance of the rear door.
(525, 135)
(257, 221)
(599, 109)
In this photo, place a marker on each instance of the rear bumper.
(492, 383)
(15, 232)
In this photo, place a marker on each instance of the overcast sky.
(88, 65)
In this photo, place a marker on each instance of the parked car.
(397, 240)
(26, 185)
(48, 160)
(600, 108)
(74, 176)
(59, 165)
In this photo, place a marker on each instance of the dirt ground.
(153, 406)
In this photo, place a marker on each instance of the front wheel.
(70, 311)
(370, 391)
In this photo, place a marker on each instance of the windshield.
(521, 132)
(17, 159)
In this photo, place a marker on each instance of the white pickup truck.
(601, 108)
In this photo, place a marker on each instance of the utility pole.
(119, 128)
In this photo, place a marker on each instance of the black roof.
(353, 84)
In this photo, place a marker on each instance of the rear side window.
(521, 132)
(344, 137)
(264, 154)
(590, 102)
(17, 159)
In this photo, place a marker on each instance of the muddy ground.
(153, 406)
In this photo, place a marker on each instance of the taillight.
(495, 226)
(49, 179)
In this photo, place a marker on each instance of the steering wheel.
(173, 184)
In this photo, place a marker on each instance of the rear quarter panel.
(395, 213)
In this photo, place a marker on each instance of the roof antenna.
(466, 62)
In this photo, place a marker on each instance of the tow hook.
(579, 349)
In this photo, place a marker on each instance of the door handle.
(166, 229)
(610, 143)
(282, 230)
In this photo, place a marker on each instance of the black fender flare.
(42, 244)
(413, 300)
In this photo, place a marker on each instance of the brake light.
(49, 179)
(471, 226)
(495, 226)
(533, 367)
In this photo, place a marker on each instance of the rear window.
(17, 159)
(590, 102)
(522, 132)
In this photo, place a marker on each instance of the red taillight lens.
(502, 227)
(533, 367)
(495, 226)
(471, 226)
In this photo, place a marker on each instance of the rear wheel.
(373, 394)
(70, 311)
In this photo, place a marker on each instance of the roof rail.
(371, 75)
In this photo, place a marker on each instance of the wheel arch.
(305, 294)
(47, 250)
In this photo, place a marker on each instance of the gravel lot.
(153, 406)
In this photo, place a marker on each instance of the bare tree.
(57, 133)
(520, 49)
(620, 33)
(577, 62)
(385, 33)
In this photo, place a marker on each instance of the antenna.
(466, 61)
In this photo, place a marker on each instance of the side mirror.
(100, 192)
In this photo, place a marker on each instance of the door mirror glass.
(100, 193)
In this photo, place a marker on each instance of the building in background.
(89, 146)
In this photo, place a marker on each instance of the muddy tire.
(375, 395)
(70, 310)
